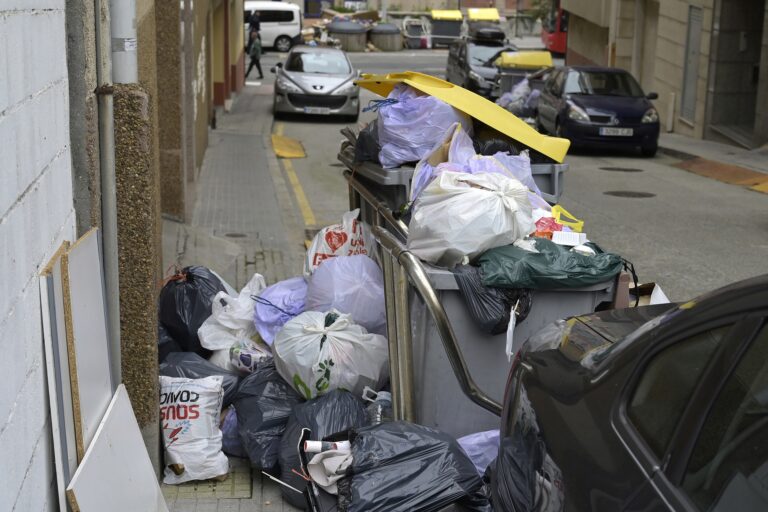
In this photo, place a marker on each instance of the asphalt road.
(688, 233)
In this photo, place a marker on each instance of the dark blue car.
(599, 107)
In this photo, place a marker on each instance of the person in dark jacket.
(254, 51)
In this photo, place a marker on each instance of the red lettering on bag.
(194, 412)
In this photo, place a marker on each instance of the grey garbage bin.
(353, 36)
(387, 37)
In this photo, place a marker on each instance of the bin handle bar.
(380, 207)
(415, 271)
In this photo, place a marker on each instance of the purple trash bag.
(277, 304)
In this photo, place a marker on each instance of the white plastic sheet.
(231, 317)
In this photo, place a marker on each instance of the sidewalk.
(722, 162)
(244, 221)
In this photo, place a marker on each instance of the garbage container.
(352, 36)
(387, 37)
(415, 32)
(446, 26)
(439, 401)
(515, 66)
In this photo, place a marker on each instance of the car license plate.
(616, 132)
(317, 110)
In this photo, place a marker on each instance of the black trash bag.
(165, 344)
(334, 412)
(401, 467)
(367, 146)
(264, 403)
(490, 147)
(490, 307)
(192, 366)
(185, 303)
(513, 473)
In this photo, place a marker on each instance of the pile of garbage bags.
(521, 100)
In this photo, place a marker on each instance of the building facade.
(707, 59)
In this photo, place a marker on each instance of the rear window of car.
(267, 16)
(329, 63)
(602, 83)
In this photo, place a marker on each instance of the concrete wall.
(761, 123)
(597, 12)
(236, 47)
(670, 62)
(36, 214)
(587, 43)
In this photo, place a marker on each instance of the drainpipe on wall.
(107, 173)
(125, 68)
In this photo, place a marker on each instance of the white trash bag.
(410, 124)
(345, 239)
(319, 352)
(353, 285)
(189, 414)
(463, 215)
(231, 319)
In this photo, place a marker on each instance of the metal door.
(691, 74)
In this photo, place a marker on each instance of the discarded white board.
(116, 473)
(87, 336)
(57, 370)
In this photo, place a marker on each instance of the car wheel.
(649, 151)
(283, 43)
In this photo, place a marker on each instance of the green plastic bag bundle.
(554, 266)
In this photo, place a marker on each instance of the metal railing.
(401, 269)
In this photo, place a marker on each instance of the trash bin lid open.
(525, 59)
(473, 105)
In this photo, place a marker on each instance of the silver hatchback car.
(316, 80)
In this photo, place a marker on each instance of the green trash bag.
(554, 266)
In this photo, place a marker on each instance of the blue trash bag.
(277, 304)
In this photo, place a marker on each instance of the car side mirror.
(652, 96)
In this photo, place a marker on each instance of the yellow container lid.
(446, 14)
(485, 111)
(530, 60)
(483, 14)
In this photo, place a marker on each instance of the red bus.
(554, 29)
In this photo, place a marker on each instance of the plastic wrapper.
(185, 303)
(482, 448)
(189, 415)
(402, 467)
(246, 355)
(490, 307)
(345, 239)
(353, 285)
(319, 352)
(277, 304)
(335, 412)
(264, 403)
(462, 215)
(192, 366)
(553, 266)
(230, 437)
(410, 126)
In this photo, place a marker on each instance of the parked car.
(470, 61)
(280, 23)
(596, 106)
(316, 80)
(653, 408)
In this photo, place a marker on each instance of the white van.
(280, 23)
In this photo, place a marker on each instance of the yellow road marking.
(279, 128)
(301, 197)
(286, 147)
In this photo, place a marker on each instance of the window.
(728, 469)
(602, 83)
(482, 55)
(557, 86)
(276, 16)
(332, 63)
(666, 387)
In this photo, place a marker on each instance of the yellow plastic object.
(524, 60)
(483, 110)
(446, 14)
(562, 216)
(285, 147)
(483, 14)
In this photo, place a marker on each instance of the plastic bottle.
(380, 408)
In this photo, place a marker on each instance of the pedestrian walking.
(255, 53)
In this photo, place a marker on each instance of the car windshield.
(602, 83)
(328, 63)
(479, 55)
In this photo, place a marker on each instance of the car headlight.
(346, 88)
(477, 78)
(651, 116)
(286, 85)
(577, 113)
